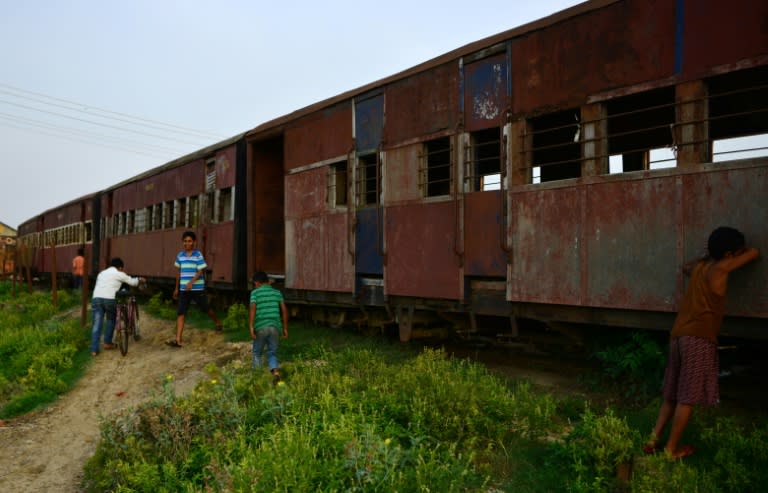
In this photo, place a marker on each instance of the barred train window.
(435, 164)
(367, 181)
(483, 161)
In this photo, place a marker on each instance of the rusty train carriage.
(562, 171)
(143, 218)
(65, 228)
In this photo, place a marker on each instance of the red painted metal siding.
(218, 251)
(306, 193)
(620, 241)
(421, 251)
(149, 254)
(322, 135)
(623, 44)
(737, 197)
(718, 32)
(401, 174)
(422, 104)
(317, 238)
(629, 226)
(317, 252)
(225, 167)
(545, 238)
(483, 253)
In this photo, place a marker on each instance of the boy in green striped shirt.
(267, 313)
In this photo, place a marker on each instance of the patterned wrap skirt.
(692, 370)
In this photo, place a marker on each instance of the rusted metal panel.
(422, 104)
(306, 193)
(620, 45)
(545, 237)
(317, 238)
(716, 32)
(369, 122)
(486, 93)
(219, 251)
(225, 166)
(306, 252)
(483, 225)
(620, 241)
(401, 174)
(421, 251)
(630, 226)
(133, 249)
(737, 197)
(65, 215)
(369, 242)
(322, 135)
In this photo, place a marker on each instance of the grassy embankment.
(366, 414)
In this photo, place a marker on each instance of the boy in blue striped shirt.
(190, 284)
(267, 313)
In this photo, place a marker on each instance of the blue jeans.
(268, 336)
(102, 306)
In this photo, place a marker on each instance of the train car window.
(639, 131)
(738, 115)
(337, 184)
(181, 215)
(88, 230)
(210, 175)
(131, 228)
(367, 180)
(150, 217)
(210, 207)
(168, 211)
(194, 211)
(555, 148)
(483, 161)
(140, 221)
(435, 170)
(226, 197)
(157, 217)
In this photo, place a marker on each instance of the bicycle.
(127, 319)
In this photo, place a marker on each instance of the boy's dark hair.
(81, 251)
(117, 263)
(261, 277)
(723, 240)
(190, 234)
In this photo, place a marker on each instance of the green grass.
(371, 414)
(43, 353)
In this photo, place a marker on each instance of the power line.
(84, 133)
(98, 143)
(95, 123)
(176, 128)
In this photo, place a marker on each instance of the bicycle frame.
(126, 320)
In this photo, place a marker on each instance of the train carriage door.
(485, 98)
(369, 241)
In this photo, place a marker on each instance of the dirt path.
(45, 451)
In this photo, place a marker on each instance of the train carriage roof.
(268, 128)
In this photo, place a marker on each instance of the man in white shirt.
(108, 282)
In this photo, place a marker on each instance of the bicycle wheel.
(122, 329)
(135, 331)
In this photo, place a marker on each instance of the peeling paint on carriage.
(486, 92)
(610, 241)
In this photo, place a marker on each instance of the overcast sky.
(96, 91)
